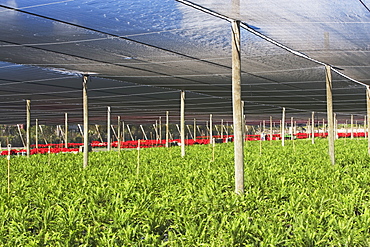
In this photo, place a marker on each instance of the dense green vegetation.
(291, 199)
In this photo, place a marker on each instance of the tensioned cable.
(364, 5)
(251, 30)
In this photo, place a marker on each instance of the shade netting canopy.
(140, 54)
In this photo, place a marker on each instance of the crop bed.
(293, 197)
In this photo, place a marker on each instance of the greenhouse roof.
(140, 54)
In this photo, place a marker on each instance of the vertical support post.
(28, 134)
(108, 130)
(182, 122)
(210, 129)
(167, 129)
(86, 121)
(119, 132)
(195, 129)
(271, 128)
(237, 109)
(313, 128)
(160, 129)
(291, 129)
(368, 117)
(37, 134)
(222, 130)
(123, 131)
(351, 126)
(66, 130)
(330, 115)
(282, 126)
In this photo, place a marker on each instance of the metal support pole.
(142, 129)
(291, 129)
(66, 130)
(210, 129)
(37, 134)
(123, 131)
(351, 126)
(160, 129)
(119, 132)
(222, 129)
(313, 128)
(271, 128)
(282, 126)
(86, 121)
(195, 129)
(330, 117)
(182, 122)
(97, 130)
(167, 129)
(237, 109)
(28, 134)
(109, 145)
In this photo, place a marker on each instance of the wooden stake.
(237, 108)
(37, 133)
(167, 129)
(86, 121)
(28, 127)
(182, 122)
(210, 129)
(109, 144)
(330, 117)
(9, 149)
(283, 128)
(313, 128)
(119, 132)
(138, 159)
(66, 130)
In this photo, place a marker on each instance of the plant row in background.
(293, 197)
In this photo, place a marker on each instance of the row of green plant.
(293, 197)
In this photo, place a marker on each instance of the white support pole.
(237, 108)
(182, 122)
(330, 117)
(368, 117)
(97, 130)
(86, 121)
(271, 134)
(109, 145)
(313, 128)
(114, 132)
(282, 126)
(167, 129)
(20, 135)
(66, 130)
(129, 131)
(28, 134)
(123, 131)
(222, 129)
(191, 134)
(160, 129)
(351, 126)
(80, 128)
(119, 132)
(210, 129)
(142, 129)
(37, 133)
(195, 129)
(42, 133)
(291, 129)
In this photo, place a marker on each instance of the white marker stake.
(9, 147)
(138, 159)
